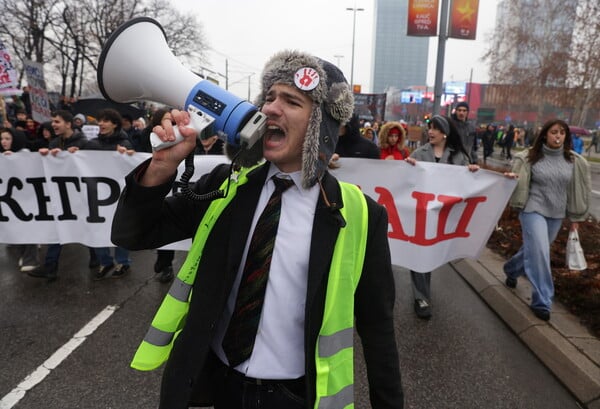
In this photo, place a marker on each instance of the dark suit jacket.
(144, 220)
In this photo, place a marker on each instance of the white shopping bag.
(575, 256)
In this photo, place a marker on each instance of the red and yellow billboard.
(463, 19)
(422, 17)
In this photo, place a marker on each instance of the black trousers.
(240, 392)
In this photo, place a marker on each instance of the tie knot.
(281, 185)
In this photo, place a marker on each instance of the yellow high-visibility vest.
(334, 352)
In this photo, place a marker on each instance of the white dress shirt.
(279, 347)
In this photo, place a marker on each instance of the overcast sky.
(247, 33)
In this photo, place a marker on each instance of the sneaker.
(422, 309)
(103, 271)
(26, 268)
(166, 274)
(542, 314)
(49, 272)
(120, 271)
(511, 282)
(93, 262)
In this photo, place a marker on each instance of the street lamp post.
(354, 10)
(338, 57)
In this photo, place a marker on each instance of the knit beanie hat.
(81, 117)
(333, 104)
(441, 123)
(463, 104)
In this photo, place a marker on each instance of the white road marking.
(37, 376)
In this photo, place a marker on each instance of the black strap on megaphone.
(182, 188)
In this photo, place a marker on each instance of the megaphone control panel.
(211, 104)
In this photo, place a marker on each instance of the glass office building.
(399, 61)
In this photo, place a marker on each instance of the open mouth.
(274, 133)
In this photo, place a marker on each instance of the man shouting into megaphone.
(262, 314)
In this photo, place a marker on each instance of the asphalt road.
(464, 357)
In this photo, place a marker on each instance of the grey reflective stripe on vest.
(338, 401)
(180, 290)
(157, 337)
(331, 344)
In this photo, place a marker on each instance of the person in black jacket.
(70, 140)
(111, 138)
(352, 145)
(163, 265)
(305, 99)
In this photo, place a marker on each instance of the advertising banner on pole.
(370, 107)
(463, 19)
(422, 18)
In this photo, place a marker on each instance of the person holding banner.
(391, 141)
(352, 145)
(163, 266)
(444, 146)
(554, 182)
(111, 138)
(273, 306)
(70, 140)
(11, 142)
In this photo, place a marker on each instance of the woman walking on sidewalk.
(553, 183)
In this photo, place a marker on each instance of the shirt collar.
(295, 176)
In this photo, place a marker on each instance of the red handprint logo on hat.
(306, 78)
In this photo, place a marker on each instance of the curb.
(567, 348)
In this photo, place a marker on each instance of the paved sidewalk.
(562, 344)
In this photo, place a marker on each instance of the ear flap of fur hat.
(333, 104)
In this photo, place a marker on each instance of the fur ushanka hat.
(333, 105)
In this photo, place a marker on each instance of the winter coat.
(398, 151)
(110, 142)
(77, 139)
(578, 192)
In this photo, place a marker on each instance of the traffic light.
(427, 119)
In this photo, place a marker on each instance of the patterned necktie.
(241, 332)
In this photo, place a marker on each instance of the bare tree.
(68, 35)
(584, 70)
(23, 26)
(531, 50)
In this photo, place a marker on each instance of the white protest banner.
(436, 213)
(40, 104)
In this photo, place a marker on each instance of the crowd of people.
(115, 132)
(269, 308)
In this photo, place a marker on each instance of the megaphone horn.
(155, 74)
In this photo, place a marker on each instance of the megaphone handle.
(198, 120)
(157, 144)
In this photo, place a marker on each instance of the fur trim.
(385, 130)
(333, 105)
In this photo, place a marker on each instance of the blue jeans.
(533, 258)
(53, 253)
(121, 256)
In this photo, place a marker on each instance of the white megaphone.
(126, 75)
